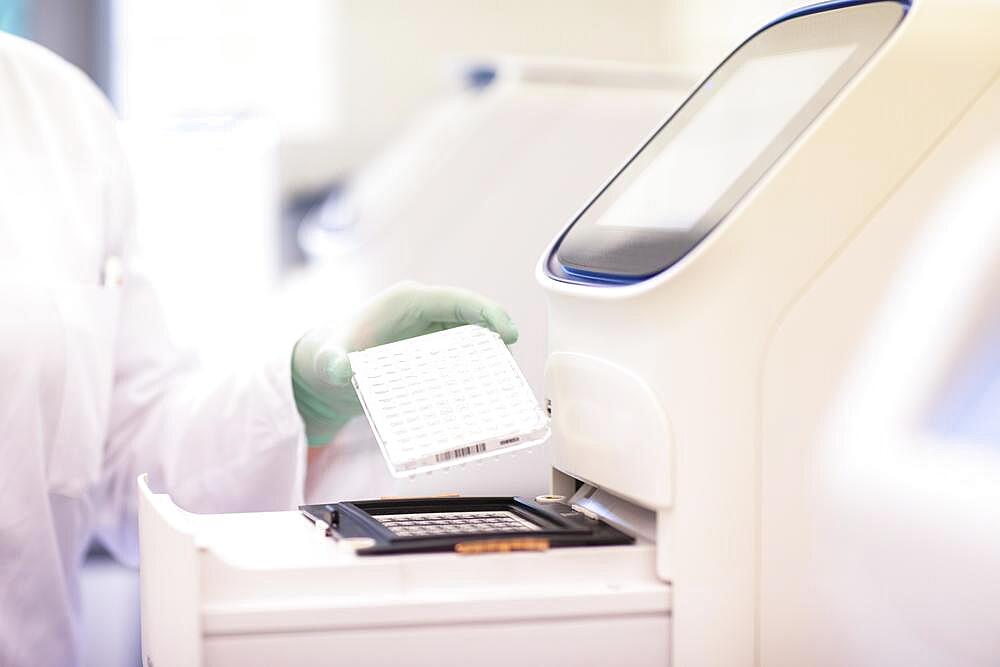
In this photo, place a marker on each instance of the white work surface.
(272, 588)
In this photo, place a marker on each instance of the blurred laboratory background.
(315, 151)
(320, 150)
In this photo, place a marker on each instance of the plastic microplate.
(446, 398)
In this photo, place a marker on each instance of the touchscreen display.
(740, 118)
(715, 148)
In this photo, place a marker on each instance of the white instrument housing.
(711, 408)
(703, 391)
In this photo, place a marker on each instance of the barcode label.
(460, 452)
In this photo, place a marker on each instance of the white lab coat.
(91, 391)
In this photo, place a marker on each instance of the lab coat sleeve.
(215, 441)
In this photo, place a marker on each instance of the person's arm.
(216, 442)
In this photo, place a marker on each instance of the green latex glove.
(321, 371)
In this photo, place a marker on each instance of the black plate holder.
(557, 525)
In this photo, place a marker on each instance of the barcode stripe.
(460, 452)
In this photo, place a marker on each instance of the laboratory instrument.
(707, 325)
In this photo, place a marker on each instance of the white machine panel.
(611, 426)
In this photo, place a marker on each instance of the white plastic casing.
(273, 589)
(657, 388)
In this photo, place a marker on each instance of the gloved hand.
(321, 371)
